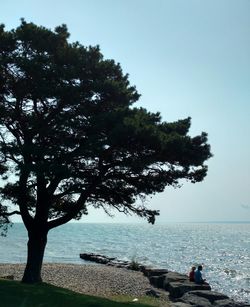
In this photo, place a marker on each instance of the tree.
(70, 138)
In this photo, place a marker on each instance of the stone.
(158, 281)
(195, 300)
(85, 256)
(120, 264)
(174, 277)
(96, 258)
(143, 268)
(225, 303)
(153, 293)
(230, 303)
(178, 285)
(180, 304)
(111, 261)
(178, 289)
(91, 256)
(101, 259)
(154, 272)
(209, 295)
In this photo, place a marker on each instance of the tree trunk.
(36, 247)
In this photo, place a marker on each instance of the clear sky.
(186, 58)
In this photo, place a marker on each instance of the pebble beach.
(98, 280)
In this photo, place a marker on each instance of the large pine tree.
(70, 137)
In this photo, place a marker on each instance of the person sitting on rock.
(191, 273)
(198, 276)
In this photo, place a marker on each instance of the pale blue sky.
(186, 58)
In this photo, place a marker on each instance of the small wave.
(231, 272)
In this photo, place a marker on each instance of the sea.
(222, 248)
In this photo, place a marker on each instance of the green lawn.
(16, 294)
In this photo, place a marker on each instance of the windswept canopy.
(70, 136)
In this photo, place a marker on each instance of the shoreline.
(105, 281)
(177, 285)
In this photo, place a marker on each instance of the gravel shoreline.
(98, 280)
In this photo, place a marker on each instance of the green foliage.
(15, 294)
(134, 265)
(70, 136)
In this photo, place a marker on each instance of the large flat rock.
(212, 296)
(195, 300)
(153, 272)
(178, 289)
(225, 303)
(174, 277)
(207, 298)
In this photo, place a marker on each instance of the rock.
(178, 289)
(174, 277)
(154, 272)
(101, 259)
(230, 303)
(178, 285)
(207, 298)
(143, 268)
(96, 258)
(85, 256)
(212, 296)
(225, 303)
(158, 281)
(120, 265)
(153, 293)
(180, 304)
(111, 261)
(193, 299)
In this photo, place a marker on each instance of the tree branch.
(11, 213)
(70, 215)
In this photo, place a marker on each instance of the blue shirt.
(198, 277)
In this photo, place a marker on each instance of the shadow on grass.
(16, 294)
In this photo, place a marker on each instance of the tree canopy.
(71, 138)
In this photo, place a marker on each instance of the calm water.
(223, 249)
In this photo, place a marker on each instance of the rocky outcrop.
(203, 298)
(212, 296)
(178, 289)
(149, 272)
(112, 261)
(176, 284)
(96, 258)
(182, 292)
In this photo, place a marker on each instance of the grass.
(143, 301)
(16, 294)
